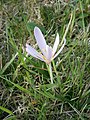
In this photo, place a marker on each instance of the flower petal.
(33, 52)
(60, 49)
(40, 39)
(49, 52)
(56, 44)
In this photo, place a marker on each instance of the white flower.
(48, 53)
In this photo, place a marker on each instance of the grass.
(26, 91)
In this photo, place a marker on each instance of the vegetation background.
(26, 92)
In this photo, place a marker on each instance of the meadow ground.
(26, 92)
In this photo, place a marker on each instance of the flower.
(48, 53)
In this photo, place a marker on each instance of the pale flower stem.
(50, 72)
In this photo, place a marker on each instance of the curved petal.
(40, 39)
(60, 49)
(56, 44)
(33, 52)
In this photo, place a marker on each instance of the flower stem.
(50, 72)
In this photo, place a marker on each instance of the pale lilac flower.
(48, 53)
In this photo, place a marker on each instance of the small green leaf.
(31, 25)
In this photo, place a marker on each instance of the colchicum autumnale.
(47, 52)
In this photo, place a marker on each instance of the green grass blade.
(6, 110)
(8, 64)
